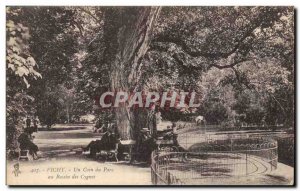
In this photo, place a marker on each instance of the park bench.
(128, 146)
(166, 145)
(112, 153)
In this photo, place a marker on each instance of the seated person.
(107, 142)
(146, 144)
(25, 140)
(173, 135)
(97, 127)
(170, 132)
(101, 129)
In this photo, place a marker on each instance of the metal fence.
(216, 160)
(243, 126)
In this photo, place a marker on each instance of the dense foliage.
(240, 60)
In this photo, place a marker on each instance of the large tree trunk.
(127, 34)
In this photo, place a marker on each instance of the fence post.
(271, 158)
(168, 178)
(246, 164)
(154, 167)
(156, 174)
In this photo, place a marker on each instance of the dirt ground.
(61, 164)
(58, 150)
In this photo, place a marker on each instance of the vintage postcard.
(150, 95)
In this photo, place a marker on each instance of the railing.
(159, 171)
(218, 127)
(217, 161)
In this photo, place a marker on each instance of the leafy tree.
(53, 47)
(238, 60)
(21, 67)
(252, 46)
(189, 42)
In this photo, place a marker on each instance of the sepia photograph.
(150, 95)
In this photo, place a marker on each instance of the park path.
(65, 137)
(58, 149)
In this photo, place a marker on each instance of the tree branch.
(89, 13)
(215, 55)
(228, 65)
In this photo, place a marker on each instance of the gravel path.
(59, 150)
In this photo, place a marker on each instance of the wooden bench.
(129, 144)
(166, 145)
(113, 153)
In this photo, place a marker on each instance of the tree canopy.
(240, 60)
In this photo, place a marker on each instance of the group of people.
(145, 143)
(107, 142)
(26, 138)
(32, 123)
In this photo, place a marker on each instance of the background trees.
(240, 61)
(245, 51)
